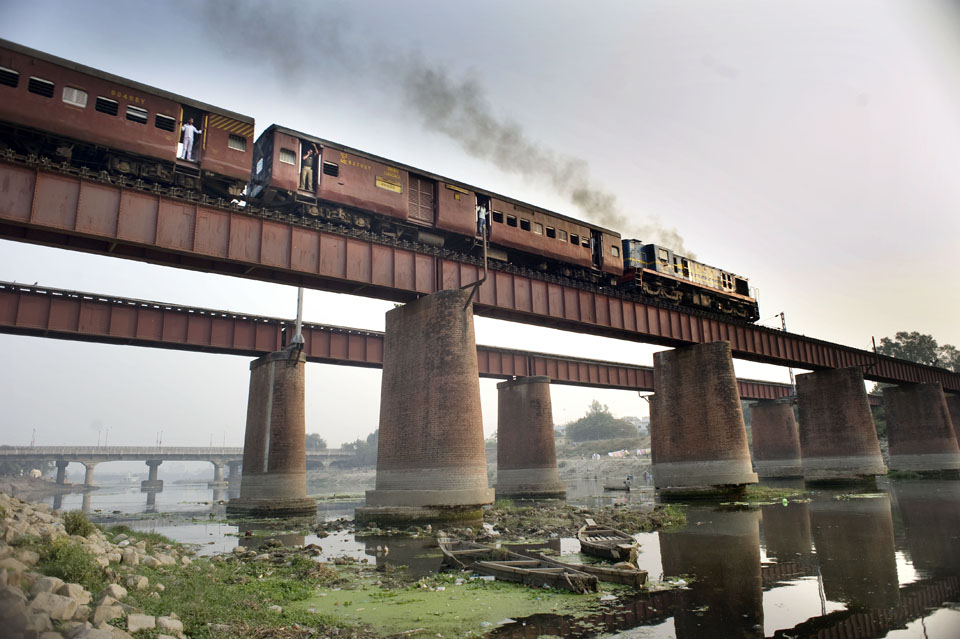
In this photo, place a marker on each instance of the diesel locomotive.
(57, 109)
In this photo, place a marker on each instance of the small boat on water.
(611, 487)
(510, 566)
(608, 543)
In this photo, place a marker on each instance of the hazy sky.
(811, 146)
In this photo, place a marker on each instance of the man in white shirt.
(188, 132)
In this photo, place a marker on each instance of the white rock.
(165, 560)
(46, 584)
(238, 550)
(114, 557)
(186, 561)
(28, 557)
(75, 591)
(150, 562)
(137, 582)
(169, 623)
(12, 565)
(159, 587)
(136, 623)
(113, 590)
(275, 608)
(106, 612)
(130, 557)
(82, 613)
(55, 606)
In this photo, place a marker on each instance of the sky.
(810, 146)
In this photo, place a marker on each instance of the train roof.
(76, 66)
(434, 176)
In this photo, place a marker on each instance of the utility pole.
(793, 382)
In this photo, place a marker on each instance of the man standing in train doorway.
(306, 168)
(188, 133)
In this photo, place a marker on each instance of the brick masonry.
(919, 429)
(526, 451)
(274, 477)
(953, 406)
(431, 451)
(837, 438)
(698, 436)
(776, 441)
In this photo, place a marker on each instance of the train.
(73, 114)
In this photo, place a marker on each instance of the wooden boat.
(608, 543)
(510, 566)
(610, 487)
(609, 574)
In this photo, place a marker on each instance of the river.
(884, 563)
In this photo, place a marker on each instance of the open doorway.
(309, 161)
(191, 134)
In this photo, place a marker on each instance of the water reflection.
(930, 511)
(721, 550)
(826, 568)
(855, 551)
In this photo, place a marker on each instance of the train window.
(585, 243)
(106, 105)
(511, 220)
(236, 142)
(551, 232)
(40, 87)
(288, 157)
(76, 97)
(563, 235)
(331, 169)
(574, 239)
(164, 122)
(9, 77)
(524, 224)
(136, 114)
(498, 217)
(538, 228)
(615, 251)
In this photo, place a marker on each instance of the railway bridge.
(431, 454)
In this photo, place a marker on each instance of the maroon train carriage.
(69, 112)
(346, 185)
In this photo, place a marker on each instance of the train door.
(596, 247)
(422, 202)
(193, 133)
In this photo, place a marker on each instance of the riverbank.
(61, 576)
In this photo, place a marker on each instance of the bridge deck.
(46, 312)
(87, 214)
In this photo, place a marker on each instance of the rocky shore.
(34, 604)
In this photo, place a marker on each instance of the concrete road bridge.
(90, 456)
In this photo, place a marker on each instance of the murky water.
(881, 564)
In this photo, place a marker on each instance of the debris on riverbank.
(61, 576)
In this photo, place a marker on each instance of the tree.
(366, 450)
(315, 442)
(920, 348)
(599, 423)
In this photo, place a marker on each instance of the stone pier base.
(152, 483)
(838, 441)
(776, 441)
(919, 429)
(431, 464)
(698, 437)
(274, 478)
(526, 452)
(953, 407)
